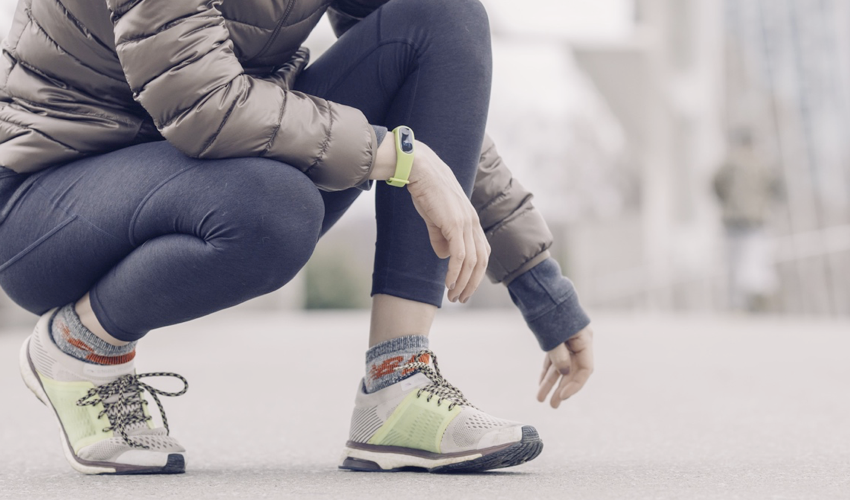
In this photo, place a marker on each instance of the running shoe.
(425, 423)
(104, 424)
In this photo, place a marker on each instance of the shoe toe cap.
(501, 435)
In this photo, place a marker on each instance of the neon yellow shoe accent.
(418, 422)
(82, 424)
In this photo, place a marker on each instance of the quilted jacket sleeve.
(179, 61)
(519, 237)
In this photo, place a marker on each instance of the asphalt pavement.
(693, 407)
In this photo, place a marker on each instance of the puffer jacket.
(82, 77)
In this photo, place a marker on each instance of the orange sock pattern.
(74, 339)
(384, 360)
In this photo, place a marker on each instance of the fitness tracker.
(403, 156)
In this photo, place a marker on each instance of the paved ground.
(680, 407)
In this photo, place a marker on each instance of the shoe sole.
(372, 458)
(175, 464)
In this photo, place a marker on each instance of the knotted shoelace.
(439, 386)
(123, 403)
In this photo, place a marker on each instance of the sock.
(74, 339)
(383, 359)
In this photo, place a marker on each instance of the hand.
(453, 225)
(572, 362)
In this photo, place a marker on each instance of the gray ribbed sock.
(74, 339)
(383, 359)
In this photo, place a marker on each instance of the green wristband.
(403, 137)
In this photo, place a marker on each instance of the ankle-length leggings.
(158, 238)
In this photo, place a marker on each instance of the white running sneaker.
(104, 424)
(423, 422)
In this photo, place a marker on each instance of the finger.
(468, 264)
(548, 383)
(482, 251)
(582, 347)
(555, 400)
(546, 364)
(457, 255)
(574, 385)
(560, 357)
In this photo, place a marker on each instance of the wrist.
(385, 159)
(421, 164)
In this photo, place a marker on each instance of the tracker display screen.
(406, 141)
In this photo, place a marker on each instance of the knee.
(460, 18)
(274, 217)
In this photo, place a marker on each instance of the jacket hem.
(529, 264)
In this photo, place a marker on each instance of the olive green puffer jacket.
(84, 77)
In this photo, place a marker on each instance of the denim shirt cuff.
(549, 303)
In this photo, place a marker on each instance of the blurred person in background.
(161, 160)
(748, 189)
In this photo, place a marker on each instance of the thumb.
(560, 357)
(438, 241)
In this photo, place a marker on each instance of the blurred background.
(689, 155)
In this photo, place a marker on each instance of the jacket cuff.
(347, 155)
(549, 303)
(380, 133)
(532, 262)
(515, 241)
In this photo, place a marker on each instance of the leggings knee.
(458, 16)
(276, 215)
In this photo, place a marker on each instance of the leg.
(156, 237)
(425, 64)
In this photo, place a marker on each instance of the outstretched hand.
(572, 363)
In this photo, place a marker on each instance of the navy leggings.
(159, 238)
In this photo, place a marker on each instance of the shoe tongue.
(416, 380)
(102, 374)
(142, 429)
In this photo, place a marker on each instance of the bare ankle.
(89, 320)
(394, 317)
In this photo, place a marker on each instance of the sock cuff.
(86, 336)
(400, 344)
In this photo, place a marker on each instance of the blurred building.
(664, 84)
(789, 80)
(686, 75)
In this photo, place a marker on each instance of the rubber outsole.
(175, 463)
(524, 451)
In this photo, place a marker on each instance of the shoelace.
(128, 408)
(439, 386)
